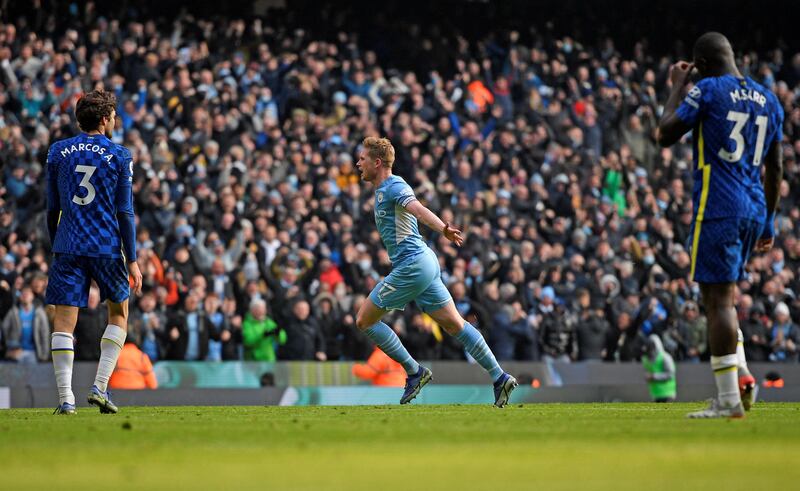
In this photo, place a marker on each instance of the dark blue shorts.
(71, 276)
(720, 248)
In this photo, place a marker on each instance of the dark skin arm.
(772, 184)
(671, 128)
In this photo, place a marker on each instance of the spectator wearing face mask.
(555, 336)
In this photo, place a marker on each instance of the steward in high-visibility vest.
(133, 370)
(659, 370)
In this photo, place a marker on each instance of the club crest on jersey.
(695, 93)
(380, 197)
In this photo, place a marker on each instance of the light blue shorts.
(418, 280)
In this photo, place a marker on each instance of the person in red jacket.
(134, 370)
(381, 370)
(330, 276)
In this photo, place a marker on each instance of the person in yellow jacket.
(134, 370)
(381, 370)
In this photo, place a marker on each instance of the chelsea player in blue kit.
(92, 230)
(736, 125)
(415, 275)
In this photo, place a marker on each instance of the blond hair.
(380, 148)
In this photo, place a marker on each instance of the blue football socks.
(477, 348)
(389, 343)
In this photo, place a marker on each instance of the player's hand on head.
(679, 73)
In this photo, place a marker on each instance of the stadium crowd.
(257, 240)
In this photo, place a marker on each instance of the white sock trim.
(741, 357)
(725, 361)
(110, 347)
(726, 378)
(62, 348)
(115, 334)
(61, 340)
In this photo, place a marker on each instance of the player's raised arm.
(435, 223)
(672, 127)
(127, 220)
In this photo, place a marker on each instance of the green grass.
(535, 446)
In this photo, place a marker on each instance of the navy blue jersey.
(89, 180)
(735, 121)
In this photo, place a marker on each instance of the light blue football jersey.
(397, 226)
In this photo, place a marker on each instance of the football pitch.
(532, 446)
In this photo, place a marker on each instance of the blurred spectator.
(304, 337)
(555, 336)
(422, 337)
(785, 336)
(591, 328)
(215, 321)
(188, 332)
(690, 333)
(329, 318)
(756, 334)
(243, 133)
(625, 342)
(513, 337)
(381, 370)
(26, 330)
(92, 322)
(134, 370)
(260, 334)
(147, 326)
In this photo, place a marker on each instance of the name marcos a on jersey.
(82, 147)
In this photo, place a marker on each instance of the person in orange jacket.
(134, 370)
(381, 370)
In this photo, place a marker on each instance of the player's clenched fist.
(679, 73)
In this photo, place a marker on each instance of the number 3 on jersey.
(739, 120)
(87, 171)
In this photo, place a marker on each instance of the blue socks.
(473, 342)
(389, 343)
(477, 348)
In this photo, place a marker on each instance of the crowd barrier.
(332, 383)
